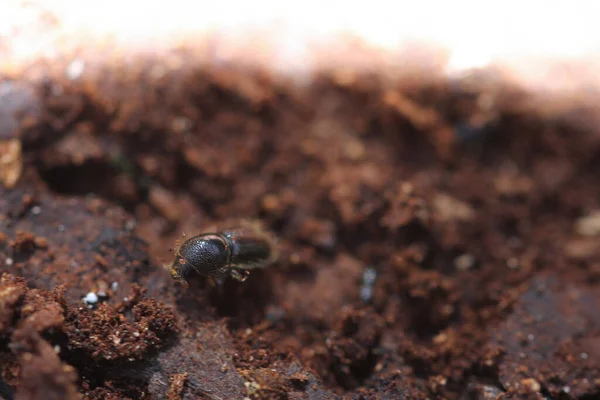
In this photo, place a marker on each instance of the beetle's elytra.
(228, 252)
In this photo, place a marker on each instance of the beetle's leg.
(239, 275)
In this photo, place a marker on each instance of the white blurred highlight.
(533, 40)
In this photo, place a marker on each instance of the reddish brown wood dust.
(483, 241)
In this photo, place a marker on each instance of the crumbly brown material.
(480, 284)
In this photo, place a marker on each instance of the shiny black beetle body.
(231, 252)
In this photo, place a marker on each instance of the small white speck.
(57, 349)
(566, 389)
(584, 356)
(102, 294)
(126, 299)
(464, 262)
(61, 228)
(136, 334)
(130, 225)
(531, 337)
(36, 210)
(369, 276)
(588, 225)
(75, 69)
(114, 286)
(9, 261)
(91, 298)
(512, 263)
(181, 124)
(366, 293)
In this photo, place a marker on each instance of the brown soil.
(483, 242)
